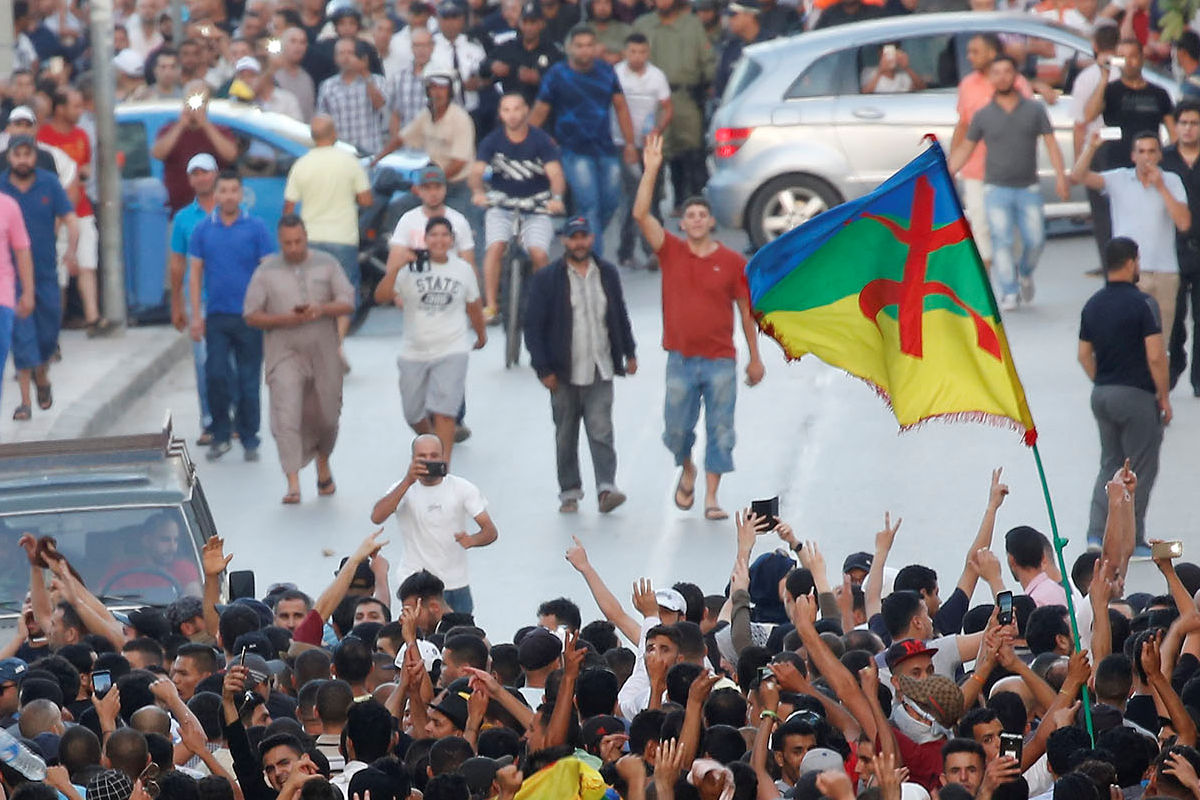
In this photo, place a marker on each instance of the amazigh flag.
(891, 288)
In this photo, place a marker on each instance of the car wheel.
(783, 203)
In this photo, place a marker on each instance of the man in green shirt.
(610, 32)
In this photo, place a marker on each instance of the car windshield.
(134, 556)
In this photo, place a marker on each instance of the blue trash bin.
(145, 222)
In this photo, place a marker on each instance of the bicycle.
(515, 269)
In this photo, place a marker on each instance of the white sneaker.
(1008, 302)
(1027, 289)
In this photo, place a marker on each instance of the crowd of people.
(790, 681)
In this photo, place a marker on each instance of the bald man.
(151, 719)
(126, 750)
(41, 716)
(329, 185)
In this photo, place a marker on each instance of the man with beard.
(296, 298)
(1011, 125)
(578, 334)
(43, 204)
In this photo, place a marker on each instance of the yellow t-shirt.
(325, 181)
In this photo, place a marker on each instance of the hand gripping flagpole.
(1059, 544)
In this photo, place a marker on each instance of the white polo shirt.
(1140, 213)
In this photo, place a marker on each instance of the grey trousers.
(593, 405)
(1130, 427)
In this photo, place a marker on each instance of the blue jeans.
(595, 183)
(7, 315)
(460, 599)
(1006, 207)
(690, 381)
(199, 353)
(228, 335)
(347, 256)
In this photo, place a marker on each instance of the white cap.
(202, 161)
(671, 600)
(247, 62)
(129, 62)
(430, 654)
(22, 114)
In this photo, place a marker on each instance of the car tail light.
(730, 140)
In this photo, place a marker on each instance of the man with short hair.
(16, 275)
(1121, 350)
(289, 74)
(527, 182)
(355, 98)
(296, 298)
(44, 206)
(518, 65)
(330, 186)
(432, 508)
(1150, 207)
(1104, 45)
(742, 20)
(193, 663)
(1026, 549)
(1131, 103)
(580, 91)
(457, 53)
(698, 336)
(291, 607)
(578, 333)
(225, 249)
(406, 89)
(1183, 159)
(202, 180)
(444, 130)
(1011, 125)
(1187, 54)
(192, 134)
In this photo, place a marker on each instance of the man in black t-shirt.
(1121, 349)
(1132, 103)
(519, 64)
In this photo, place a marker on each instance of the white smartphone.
(1110, 134)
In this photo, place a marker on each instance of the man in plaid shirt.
(355, 97)
(407, 90)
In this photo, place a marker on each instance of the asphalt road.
(813, 435)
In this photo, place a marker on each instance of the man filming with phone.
(432, 508)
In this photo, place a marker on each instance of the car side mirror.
(241, 584)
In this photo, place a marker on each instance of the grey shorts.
(537, 230)
(432, 387)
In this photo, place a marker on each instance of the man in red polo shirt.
(702, 282)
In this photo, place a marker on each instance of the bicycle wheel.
(512, 309)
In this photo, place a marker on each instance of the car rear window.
(744, 74)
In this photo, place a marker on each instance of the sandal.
(98, 327)
(326, 487)
(22, 413)
(45, 398)
(291, 499)
(715, 513)
(684, 498)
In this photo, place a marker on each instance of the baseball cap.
(669, 599)
(22, 140)
(254, 642)
(595, 729)
(538, 648)
(129, 62)
(185, 608)
(150, 621)
(247, 62)
(936, 695)
(265, 615)
(900, 652)
(438, 76)
(580, 225)
(112, 784)
(11, 669)
(23, 114)
(430, 654)
(259, 670)
(202, 161)
(480, 771)
(454, 705)
(859, 560)
(532, 10)
(450, 8)
(821, 759)
(742, 7)
(431, 174)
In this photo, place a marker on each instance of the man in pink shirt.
(14, 241)
(1026, 550)
(974, 92)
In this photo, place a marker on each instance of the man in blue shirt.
(202, 177)
(580, 91)
(225, 249)
(44, 204)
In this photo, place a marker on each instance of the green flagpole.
(1059, 544)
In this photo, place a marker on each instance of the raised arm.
(883, 545)
(652, 159)
(333, 594)
(609, 605)
(1181, 720)
(1094, 106)
(803, 613)
(1082, 171)
(997, 491)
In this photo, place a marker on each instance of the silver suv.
(796, 135)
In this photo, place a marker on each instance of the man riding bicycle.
(527, 182)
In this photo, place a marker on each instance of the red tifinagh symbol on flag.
(909, 294)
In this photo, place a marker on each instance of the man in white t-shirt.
(432, 508)
(439, 294)
(648, 95)
(893, 75)
(409, 235)
(1104, 43)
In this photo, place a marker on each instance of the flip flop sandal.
(22, 413)
(45, 397)
(291, 499)
(326, 487)
(715, 513)
(689, 496)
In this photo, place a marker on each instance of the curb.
(108, 399)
